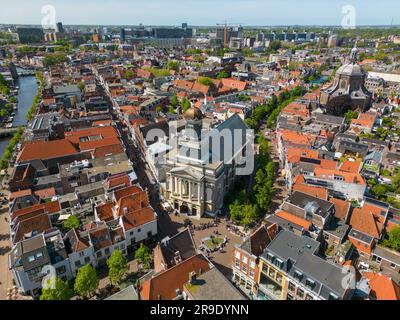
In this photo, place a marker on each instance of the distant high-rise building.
(59, 27)
(172, 33)
(30, 35)
(332, 41)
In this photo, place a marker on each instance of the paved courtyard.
(171, 224)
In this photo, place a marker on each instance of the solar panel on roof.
(310, 160)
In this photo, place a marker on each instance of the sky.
(201, 12)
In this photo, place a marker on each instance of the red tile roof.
(46, 150)
(234, 84)
(351, 166)
(317, 192)
(46, 193)
(342, 208)
(294, 219)
(134, 219)
(163, 285)
(48, 207)
(382, 287)
(118, 194)
(20, 193)
(105, 211)
(38, 223)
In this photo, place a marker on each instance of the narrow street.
(280, 189)
(5, 247)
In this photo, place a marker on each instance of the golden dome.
(193, 114)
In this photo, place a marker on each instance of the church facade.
(199, 172)
(347, 90)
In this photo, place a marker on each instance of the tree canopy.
(117, 266)
(143, 256)
(72, 222)
(62, 291)
(392, 239)
(86, 281)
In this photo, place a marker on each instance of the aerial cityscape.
(158, 152)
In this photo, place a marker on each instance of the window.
(308, 297)
(333, 296)
(278, 278)
(237, 254)
(271, 273)
(270, 257)
(237, 263)
(131, 233)
(244, 268)
(87, 260)
(61, 270)
(39, 255)
(300, 293)
(122, 246)
(107, 251)
(251, 274)
(392, 265)
(81, 254)
(292, 286)
(138, 230)
(244, 259)
(252, 264)
(376, 258)
(298, 275)
(310, 284)
(98, 254)
(31, 258)
(290, 297)
(77, 263)
(149, 234)
(279, 263)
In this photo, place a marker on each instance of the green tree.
(3, 113)
(174, 100)
(243, 214)
(62, 291)
(143, 256)
(222, 74)
(388, 122)
(349, 115)
(117, 267)
(173, 65)
(275, 45)
(392, 239)
(81, 85)
(86, 282)
(171, 109)
(206, 81)
(72, 222)
(185, 104)
(380, 190)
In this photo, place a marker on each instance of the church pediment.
(186, 172)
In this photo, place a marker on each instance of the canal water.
(27, 91)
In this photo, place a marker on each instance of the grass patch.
(213, 243)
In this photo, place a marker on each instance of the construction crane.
(225, 25)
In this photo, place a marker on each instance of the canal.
(27, 91)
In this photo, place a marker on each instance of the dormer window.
(310, 284)
(298, 275)
(279, 263)
(333, 296)
(270, 257)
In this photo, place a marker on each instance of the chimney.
(192, 277)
